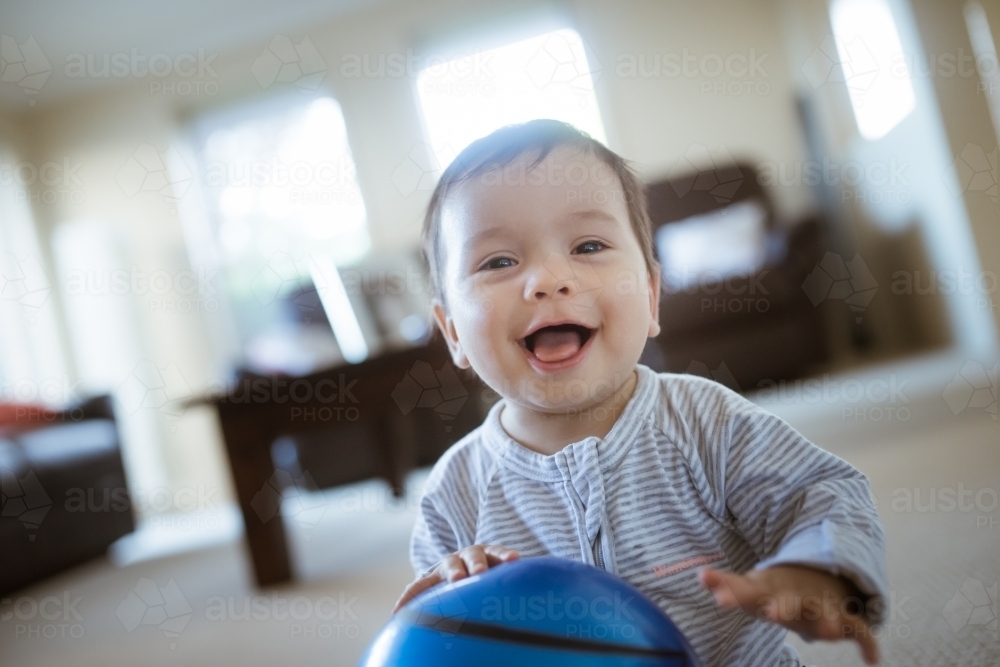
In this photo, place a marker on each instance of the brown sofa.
(742, 331)
(56, 472)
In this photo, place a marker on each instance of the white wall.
(651, 120)
(915, 226)
(966, 119)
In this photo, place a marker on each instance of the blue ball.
(534, 611)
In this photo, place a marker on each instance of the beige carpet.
(350, 547)
(944, 561)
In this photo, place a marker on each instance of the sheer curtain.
(32, 363)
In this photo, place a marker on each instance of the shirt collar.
(610, 450)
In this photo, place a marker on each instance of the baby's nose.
(563, 288)
(551, 277)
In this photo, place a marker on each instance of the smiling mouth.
(557, 343)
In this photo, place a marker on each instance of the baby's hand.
(813, 603)
(470, 560)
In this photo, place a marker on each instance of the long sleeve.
(449, 505)
(433, 537)
(795, 503)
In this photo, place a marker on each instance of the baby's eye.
(498, 263)
(590, 247)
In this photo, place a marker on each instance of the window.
(469, 96)
(875, 70)
(285, 211)
(986, 58)
(32, 368)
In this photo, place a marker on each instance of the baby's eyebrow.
(593, 214)
(488, 233)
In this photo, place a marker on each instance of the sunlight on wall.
(287, 174)
(986, 58)
(875, 70)
(469, 96)
(106, 340)
(286, 209)
(32, 367)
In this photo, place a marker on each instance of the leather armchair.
(64, 494)
(742, 330)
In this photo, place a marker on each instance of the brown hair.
(501, 148)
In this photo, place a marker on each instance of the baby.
(546, 284)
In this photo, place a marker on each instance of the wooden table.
(377, 419)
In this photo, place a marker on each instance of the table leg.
(249, 450)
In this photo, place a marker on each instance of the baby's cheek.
(626, 282)
(486, 343)
(476, 304)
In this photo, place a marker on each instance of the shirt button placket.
(568, 467)
(595, 513)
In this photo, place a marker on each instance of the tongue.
(556, 345)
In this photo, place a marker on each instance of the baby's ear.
(447, 327)
(654, 303)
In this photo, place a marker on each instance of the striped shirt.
(690, 474)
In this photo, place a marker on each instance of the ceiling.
(66, 28)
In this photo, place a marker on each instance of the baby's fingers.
(731, 590)
(416, 588)
(480, 558)
(830, 626)
(497, 554)
(856, 629)
(453, 567)
(474, 559)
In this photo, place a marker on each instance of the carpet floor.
(350, 550)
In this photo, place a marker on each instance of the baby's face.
(546, 289)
